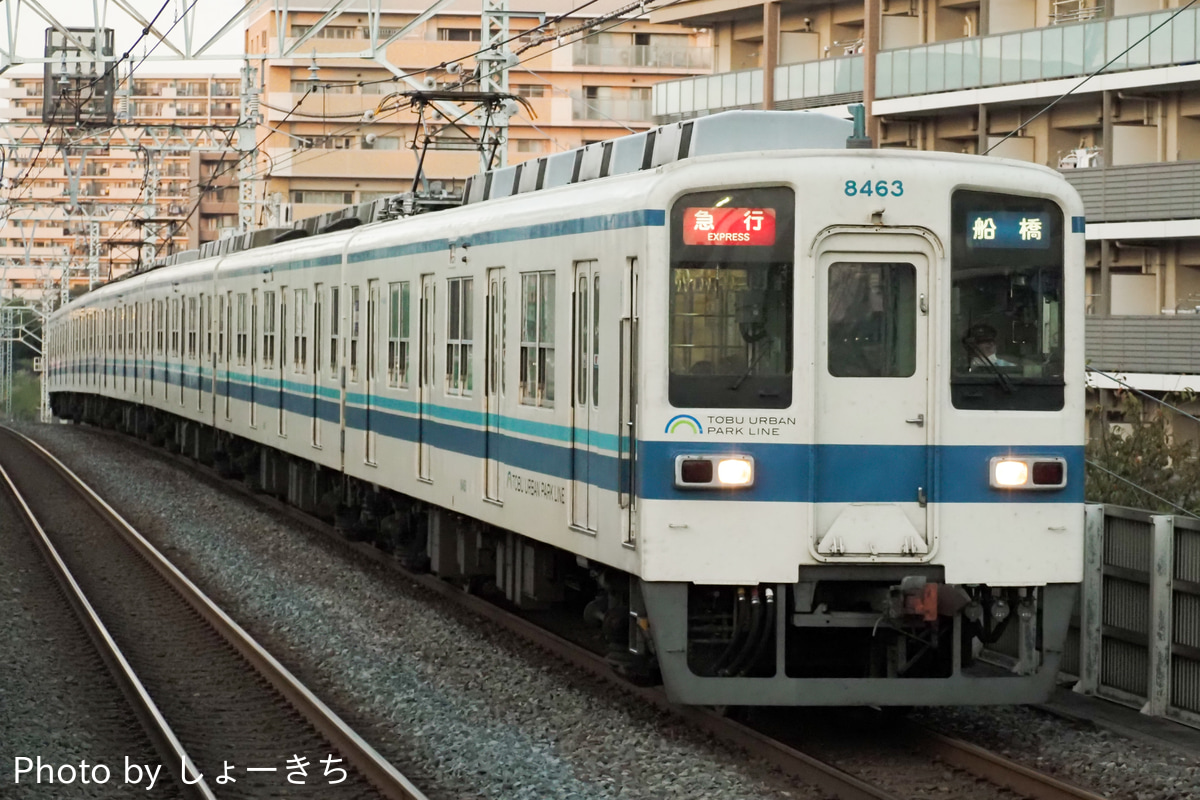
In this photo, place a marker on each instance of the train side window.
(398, 334)
(241, 329)
(300, 332)
(192, 327)
(268, 334)
(207, 315)
(335, 325)
(459, 342)
(355, 300)
(222, 312)
(537, 339)
(175, 317)
(872, 320)
(316, 334)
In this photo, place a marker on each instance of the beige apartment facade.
(45, 227)
(319, 154)
(974, 76)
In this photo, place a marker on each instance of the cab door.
(873, 463)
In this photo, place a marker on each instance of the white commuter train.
(797, 424)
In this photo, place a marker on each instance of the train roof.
(727, 132)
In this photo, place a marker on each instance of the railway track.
(996, 771)
(227, 719)
(938, 752)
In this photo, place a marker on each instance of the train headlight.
(735, 471)
(714, 471)
(1010, 474)
(1028, 472)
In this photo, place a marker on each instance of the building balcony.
(1167, 344)
(827, 82)
(1140, 192)
(692, 59)
(608, 109)
(1041, 54)
(1057, 51)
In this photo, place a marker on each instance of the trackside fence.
(1137, 639)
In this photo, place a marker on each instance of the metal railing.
(1168, 344)
(1138, 192)
(642, 55)
(1139, 611)
(1056, 51)
(1135, 638)
(825, 82)
(607, 108)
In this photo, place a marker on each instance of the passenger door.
(372, 360)
(873, 465)
(585, 496)
(425, 377)
(497, 315)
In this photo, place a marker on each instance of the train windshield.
(1006, 347)
(731, 299)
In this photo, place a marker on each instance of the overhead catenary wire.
(295, 156)
(1077, 86)
(307, 155)
(1142, 489)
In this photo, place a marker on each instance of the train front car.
(863, 461)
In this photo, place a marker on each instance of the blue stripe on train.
(797, 473)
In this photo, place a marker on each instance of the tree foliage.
(1144, 453)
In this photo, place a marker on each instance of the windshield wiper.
(753, 363)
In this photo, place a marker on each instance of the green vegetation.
(1143, 452)
(26, 395)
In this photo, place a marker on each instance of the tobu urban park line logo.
(684, 423)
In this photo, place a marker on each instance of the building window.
(537, 339)
(372, 142)
(529, 90)
(530, 145)
(329, 142)
(459, 375)
(328, 32)
(458, 34)
(322, 197)
(398, 334)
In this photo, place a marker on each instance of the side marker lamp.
(714, 471)
(1027, 472)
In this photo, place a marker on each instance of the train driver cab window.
(731, 299)
(1006, 341)
(872, 320)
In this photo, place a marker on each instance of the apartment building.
(319, 154)
(41, 228)
(961, 75)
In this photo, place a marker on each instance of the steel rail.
(156, 726)
(831, 780)
(995, 768)
(374, 767)
(970, 758)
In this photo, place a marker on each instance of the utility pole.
(246, 145)
(494, 61)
